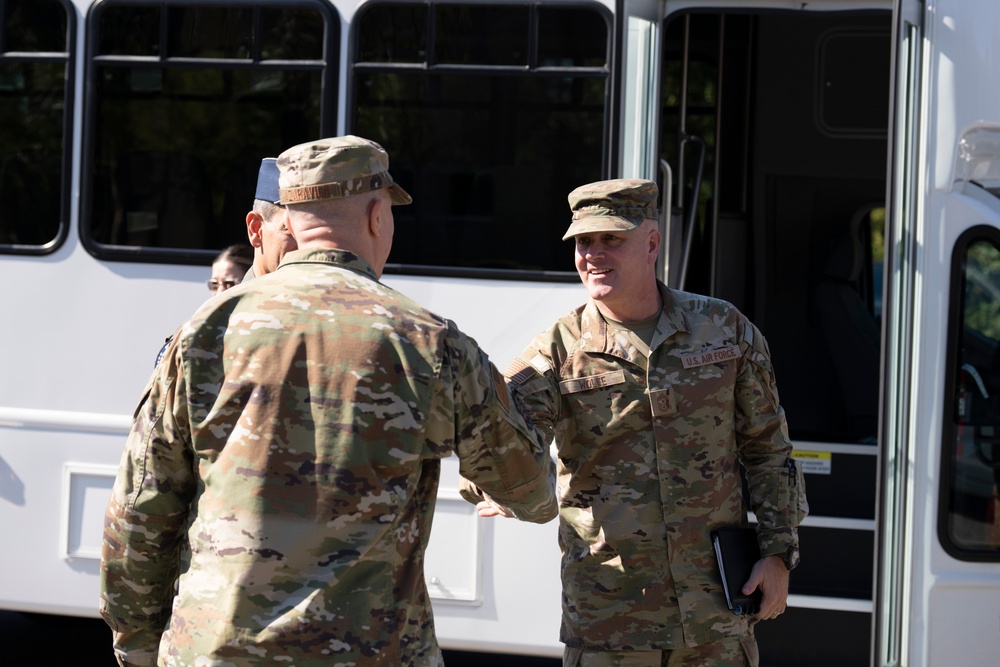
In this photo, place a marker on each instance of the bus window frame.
(610, 72)
(956, 318)
(68, 59)
(328, 66)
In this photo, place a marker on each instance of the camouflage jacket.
(276, 492)
(649, 452)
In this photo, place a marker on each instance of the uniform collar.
(343, 258)
(597, 336)
(673, 319)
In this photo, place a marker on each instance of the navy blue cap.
(267, 181)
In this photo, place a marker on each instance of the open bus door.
(792, 129)
(638, 72)
(890, 594)
(937, 593)
(774, 163)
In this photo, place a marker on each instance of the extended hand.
(770, 575)
(490, 507)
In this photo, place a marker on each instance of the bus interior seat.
(850, 331)
(164, 198)
(794, 209)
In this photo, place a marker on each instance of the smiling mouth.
(598, 272)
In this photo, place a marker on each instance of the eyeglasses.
(214, 285)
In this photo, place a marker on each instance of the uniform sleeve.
(777, 488)
(535, 391)
(146, 516)
(534, 397)
(499, 453)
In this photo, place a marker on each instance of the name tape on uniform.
(592, 382)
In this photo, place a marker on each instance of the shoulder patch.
(500, 386)
(540, 364)
(519, 371)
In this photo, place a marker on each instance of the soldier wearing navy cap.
(266, 228)
(655, 399)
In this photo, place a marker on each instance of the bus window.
(186, 102)
(970, 525)
(34, 67)
(492, 115)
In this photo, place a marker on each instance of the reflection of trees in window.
(33, 65)
(491, 115)
(187, 101)
(982, 290)
(972, 447)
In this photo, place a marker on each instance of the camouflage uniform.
(651, 434)
(276, 493)
(649, 450)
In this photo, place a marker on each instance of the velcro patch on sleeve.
(500, 386)
(520, 372)
(540, 364)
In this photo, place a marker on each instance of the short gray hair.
(267, 210)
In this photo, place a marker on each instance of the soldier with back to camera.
(275, 496)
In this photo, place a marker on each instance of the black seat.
(850, 331)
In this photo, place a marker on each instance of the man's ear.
(375, 216)
(254, 222)
(654, 240)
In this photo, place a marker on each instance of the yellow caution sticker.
(814, 463)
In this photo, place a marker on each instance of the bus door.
(938, 595)
(774, 123)
(637, 71)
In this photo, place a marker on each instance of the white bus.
(831, 167)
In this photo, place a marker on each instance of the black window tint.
(132, 31)
(970, 518)
(34, 25)
(33, 94)
(210, 32)
(571, 38)
(489, 150)
(175, 145)
(481, 35)
(291, 34)
(847, 103)
(393, 33)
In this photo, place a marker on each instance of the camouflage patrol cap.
(335, 168)
(618, 205)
